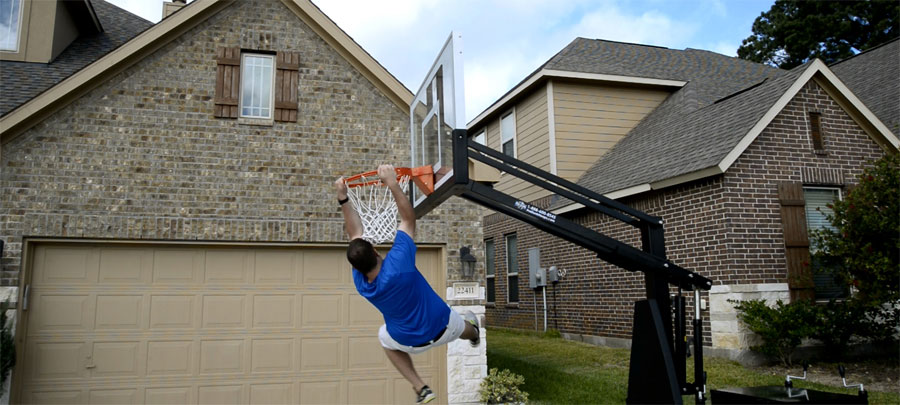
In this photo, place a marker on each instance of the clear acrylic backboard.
(436, 110)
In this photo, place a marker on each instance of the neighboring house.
(168, 215)
(734, 156)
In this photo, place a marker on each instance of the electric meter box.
(537, 277)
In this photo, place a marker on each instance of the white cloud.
(649, 28)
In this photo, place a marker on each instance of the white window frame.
(840, 197)
(15, 49)
(481, 137)
(490, 264)
(504, 138)
(508, 262)
(271, 115)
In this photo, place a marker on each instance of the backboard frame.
(438, 109)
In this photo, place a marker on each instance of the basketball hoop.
(375, 204)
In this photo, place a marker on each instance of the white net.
(377, 209)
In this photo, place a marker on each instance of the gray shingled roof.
(874, 77)
(674, 140)
(22, 81)
(695, 127)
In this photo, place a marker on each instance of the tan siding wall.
(532, 140)
(591, 119)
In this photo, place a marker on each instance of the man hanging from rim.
(415, 317)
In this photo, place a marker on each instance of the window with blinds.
(489, 269)
(512, 269)
(817, 209)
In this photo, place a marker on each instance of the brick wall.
(726, 227)
(141, 156)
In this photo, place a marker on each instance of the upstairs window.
(508, 134)
(257, 80)
(10, 17)
(481, 137)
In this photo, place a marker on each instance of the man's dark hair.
(361, 255)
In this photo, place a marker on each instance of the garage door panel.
(119, 311)
(365, 352)
(170, 358)
(221, 356)
(221, 395)
(173, 396)
(320, 392)
(224, 311)
(272, 355)
(228, 266)
(367, 391)
(272, 394)
(321, 354)
(125, 266)
(324, 267)
(178, 266)
(321, 310)
(67, 266)
(278, 267)
(211, 324)
(116, 359)
(57, 397)
(173, 311)
(274, 311)
(363, 313)
(114, 397)
(58, 360)
(61, 312)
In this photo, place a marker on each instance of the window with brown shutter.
(287, 77)
(796, 241)
(815, 131)
(228, 82)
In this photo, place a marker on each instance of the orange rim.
(422, 176)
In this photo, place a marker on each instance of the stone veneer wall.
(726, 227)
(141, 156)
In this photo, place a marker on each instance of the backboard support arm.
(652, 377)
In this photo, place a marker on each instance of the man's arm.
(388, 176)
(352, 223)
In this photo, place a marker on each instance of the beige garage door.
(217, 325)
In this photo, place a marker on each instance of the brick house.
(168, 216)
(732, 155)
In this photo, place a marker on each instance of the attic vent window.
(10, 15)
(815, 131)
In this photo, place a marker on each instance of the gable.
(170, 29)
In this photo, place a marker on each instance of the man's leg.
(403, 362)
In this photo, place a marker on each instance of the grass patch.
(559, 371)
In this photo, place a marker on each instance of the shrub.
(7, 346)
(502, 387)
(837, 323)
(781, 327)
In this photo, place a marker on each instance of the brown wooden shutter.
(228, 82)
(796, 241)
(287, 77)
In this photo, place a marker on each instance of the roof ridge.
(625, 43)
(881, 45)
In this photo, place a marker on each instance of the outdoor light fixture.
(467, 260)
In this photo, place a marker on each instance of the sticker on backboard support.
(535, 211)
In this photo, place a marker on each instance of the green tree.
(793, 32)
(865, 239)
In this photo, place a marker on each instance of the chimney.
(170, 8)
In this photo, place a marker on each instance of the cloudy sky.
(505, 40)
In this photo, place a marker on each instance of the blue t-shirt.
(413, 312)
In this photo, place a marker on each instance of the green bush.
(7, 346)
(781, 327)
(836, 323)
(502, 387)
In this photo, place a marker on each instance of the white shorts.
(455, 327)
